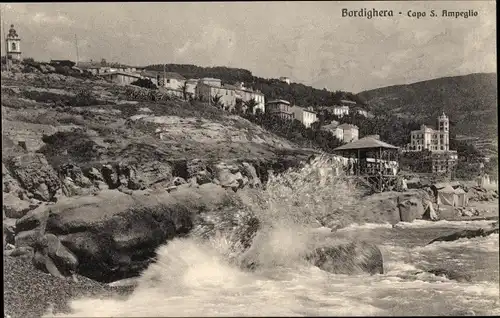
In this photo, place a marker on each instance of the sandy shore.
(28, 291)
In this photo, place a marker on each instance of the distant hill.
(470, 101)
(295, 93)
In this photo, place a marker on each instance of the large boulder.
(451, 274)
(52, 256)
(348, 258)
(115, 235)
(75, 174)
(9, 231)
(465, 234)
(14, 207)
(250, 172)
(31, 227)
(410, 209)
(34, 219)
(137, 176)
(199, 169)
(10, 184)
(229, 176)
(379, 208)
(35, 175)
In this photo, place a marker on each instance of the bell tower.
(13, 45)
(444, 131)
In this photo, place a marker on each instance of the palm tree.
(216, 101)
(250, 104)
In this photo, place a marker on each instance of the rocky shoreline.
(29, 292)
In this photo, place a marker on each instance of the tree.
(238, 106)
(250, 104)
(144, 82)
(183, 87)
(217, 101)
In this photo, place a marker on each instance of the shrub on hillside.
(83, 98)
(46, 97)
(145, 83)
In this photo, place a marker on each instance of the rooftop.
(121, 73)
(366, 143)
(278, 101)
(348, 126)
(173, 75)
(347, 101)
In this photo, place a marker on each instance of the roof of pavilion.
(365, 144)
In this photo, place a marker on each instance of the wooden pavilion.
(373, 161)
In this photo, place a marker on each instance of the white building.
(285, 80)
(13, 44)
(172, 80)
(191, 87)
(306, 116)
(429, 139)
(247, 94)
(350, 132)
(334, 128)
(341, 111)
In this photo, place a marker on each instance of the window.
(14, 47)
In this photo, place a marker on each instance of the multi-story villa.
(306, 116)
(440, 159)
(280, 108)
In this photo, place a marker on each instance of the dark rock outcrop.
(53, 257)
(465, 234)
(450, 274)
(14, 207)
(410, 209)
(114, 236)
(35, 175)
(31, 227)
(349, 258)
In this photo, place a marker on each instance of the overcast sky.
(307, 41)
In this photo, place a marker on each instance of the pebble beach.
(28, 292)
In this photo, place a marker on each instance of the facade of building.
(122, 78)
(350, 132)
(306, 116)
(13, 45)
(280, 108)
(153, 76)
(246, 94)
(173, 81)
(97, 69)
(211, 81)
(206, 91)
(334, 128)
(439, 158)
(207, 88)
(191, 87)
(443, 161)
(429, 139)
(341, 111)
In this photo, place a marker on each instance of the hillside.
(470, 101)
(89, 122)
(296, 93)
